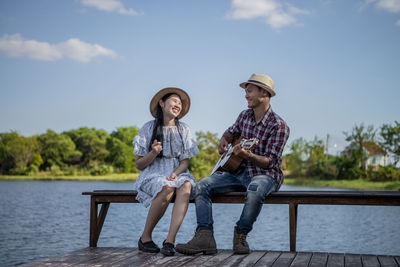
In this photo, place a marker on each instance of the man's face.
(254, 95)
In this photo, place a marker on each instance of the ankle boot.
(240, 245)
(203, 241)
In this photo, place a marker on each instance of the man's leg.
(203, 240)
(259, 187)
(218, 183)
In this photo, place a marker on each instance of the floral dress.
(152, 179)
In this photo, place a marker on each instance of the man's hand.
(156, 147)
(222, 146)
(240, 152)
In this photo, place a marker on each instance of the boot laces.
(242, 238)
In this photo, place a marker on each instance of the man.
(261, 173)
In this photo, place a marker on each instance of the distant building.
(376, 155)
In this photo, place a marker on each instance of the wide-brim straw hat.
(261, 80)
(174, 90)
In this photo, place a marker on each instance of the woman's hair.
(159, 123)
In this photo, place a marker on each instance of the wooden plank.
(217, 259)
(369, 261)
(335, 260)
(234, 260)
(268, 259)
(302, 259)
(142, 257)
(284, 260)
(116, 257)
(352, 260)
(397, 258)
(176, 261)
(200, 260)
(145, 258)
(252, 258)
(96, 257)
(318, 259)
(387, 261)
(283, 197)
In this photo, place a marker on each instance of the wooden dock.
(132, 257)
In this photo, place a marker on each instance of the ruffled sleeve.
(191, 148)
(142, 140)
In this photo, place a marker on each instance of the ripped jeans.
(257, 188)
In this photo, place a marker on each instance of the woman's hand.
(156, 147)
(172, 177)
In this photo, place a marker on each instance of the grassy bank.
(125, 177)
(354, 184)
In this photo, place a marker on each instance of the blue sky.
(97, 63)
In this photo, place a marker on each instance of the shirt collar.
(265, 118)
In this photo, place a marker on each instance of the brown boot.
(203, 241)
(240, 245)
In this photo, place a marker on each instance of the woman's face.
(172, 106)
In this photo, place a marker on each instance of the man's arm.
(260, 161)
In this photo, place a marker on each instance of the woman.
(163, 148)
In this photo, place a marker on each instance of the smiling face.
(172, 106)
(255, 96)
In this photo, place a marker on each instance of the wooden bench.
(292, 198)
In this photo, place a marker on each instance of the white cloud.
(275, 14)
(110, 5)
(392, 6)
(17, 46)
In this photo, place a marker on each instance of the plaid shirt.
(272, 133)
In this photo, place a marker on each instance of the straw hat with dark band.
(261, 80)
(181, 93)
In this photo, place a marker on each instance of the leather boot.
(203, 241)
(240, 245)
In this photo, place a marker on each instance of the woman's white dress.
(152, 179)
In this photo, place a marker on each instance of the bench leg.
(93, 223)
(292, 225)
(96, 221)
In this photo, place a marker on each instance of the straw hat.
(261, 80)
(181, 93)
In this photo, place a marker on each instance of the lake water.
(40, 219)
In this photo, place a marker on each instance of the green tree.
(316, 157)
(202, 164)
(6, 161)
(126, 134)
(391, 140)
(357, 138)
(121, 155)
(57, 149)
(296, 158)
(22, 151)
(91, 143)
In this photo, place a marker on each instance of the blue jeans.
(257, 188)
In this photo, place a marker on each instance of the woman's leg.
(156, 211)
(179, 211)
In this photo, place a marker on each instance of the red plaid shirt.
(272, 133)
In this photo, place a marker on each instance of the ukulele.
(230, 162)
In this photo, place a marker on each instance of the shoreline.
(358, 184)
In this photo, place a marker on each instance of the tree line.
(96, 152)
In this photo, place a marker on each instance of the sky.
(97, 63)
